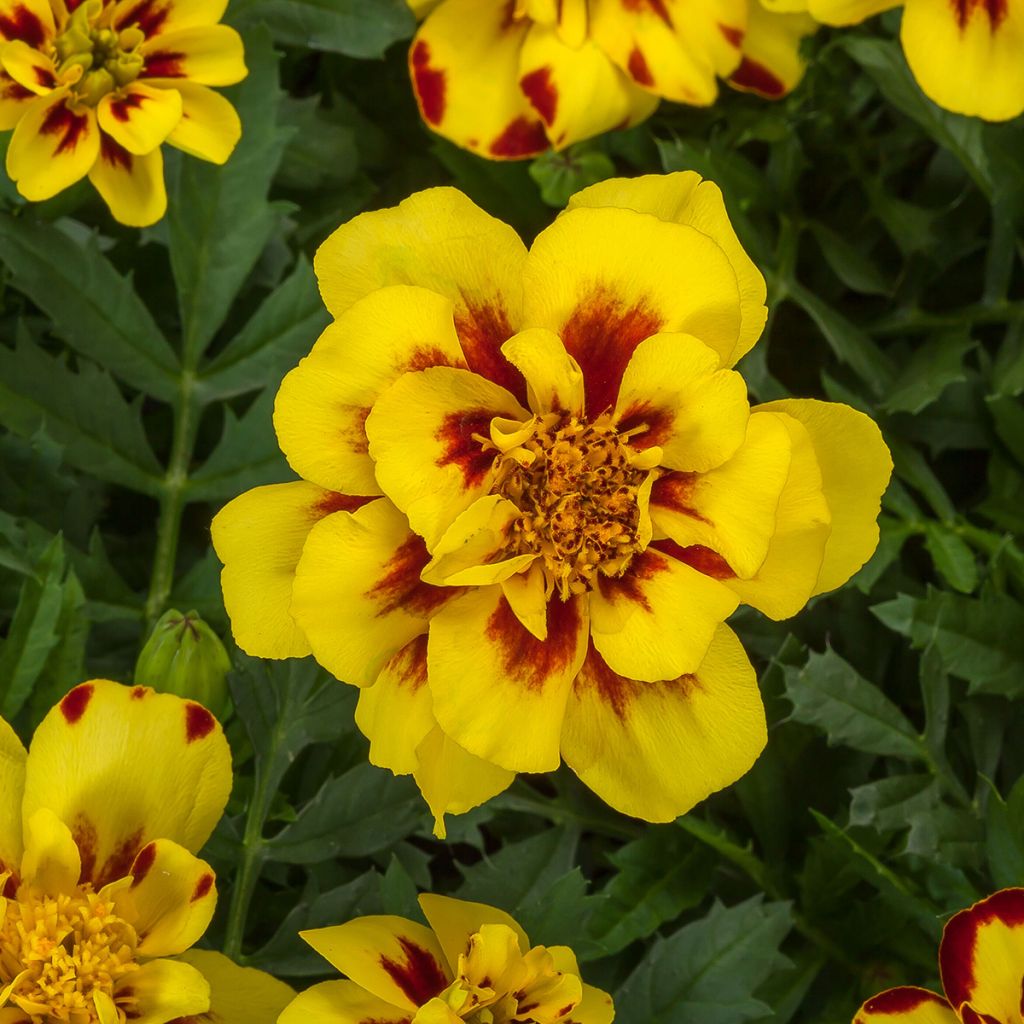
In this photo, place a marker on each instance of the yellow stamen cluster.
(578, 486)
(60, 952)
(103, 58)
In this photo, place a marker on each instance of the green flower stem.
(248, 871)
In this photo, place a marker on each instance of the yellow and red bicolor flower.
(534, 490)
(509, 78)
(474, 963)
(95, 87)
(981, 963)
(100, 888)
(965, 54)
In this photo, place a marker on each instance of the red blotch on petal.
(119, 863)
(674, 491)
(140, 692)
(143, 862)
(521, 138)
(333, 501)
(997, 11)
(698, 557)
(420, 976)
(409, 665)
(121, 108)
(542, 93)
(12, 90)
(461, 449)
(483, 327)
(655, 7)
(10, 887)
(73, 706)
(164, 64)
(629, 586)
(757, 78)
(45, 77)
(199, 723)
(734, 36)
(401, 586)
(22, 24)
(902, 1000)
(524, 658)
(658, 424)
(429, 83)
(601, 334)
(114, 154)
(959, 940)
(969, 1015)
(638, 68)
(148, 15)
(65, 123)
(203, 887)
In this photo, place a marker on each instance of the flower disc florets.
(107, 58)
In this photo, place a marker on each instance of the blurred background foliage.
(137, 377)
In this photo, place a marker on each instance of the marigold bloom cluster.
(981, 963)
(101, 894)
(533, 491)
(967, 55)
(95, 87)
(509, 78)
(474, 963)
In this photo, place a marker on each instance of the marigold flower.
(509, 78)
(981, 963)
(965, 54)
(473, 963)
(95, 87)
(534, 491)
(99, 882)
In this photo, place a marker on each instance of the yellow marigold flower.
(95, 87)
(474, 963)
(534, 491)
(981, 962)
(965, 54)
(509, 78)
(99, 882)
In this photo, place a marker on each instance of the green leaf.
(278, 334)
(92, 307)
(559, 175)
(1004, 836)
(356, 28)
(891, 804)
(219, 219)
(830, 694)
(930, 370)
(952, 557)
(848, 263)
(709, 970)
(84, 412)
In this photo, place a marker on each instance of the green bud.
(184, 656)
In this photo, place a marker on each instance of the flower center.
(108, 59)
(57, 953)
(581, 492)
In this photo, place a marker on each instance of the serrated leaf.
(890, 805)
(92, 306)
(1004, 836)
(709, 970)
(952, 557)
(829, 693)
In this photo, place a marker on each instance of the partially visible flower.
(510, 78)
(967, 55)
(99, 883)
(238, 995)
(981, 963)
(474, 963)
(95, 87)
(535, 490)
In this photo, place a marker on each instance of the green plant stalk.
(248, 871)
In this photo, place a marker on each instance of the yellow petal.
(259, 537)
(848, 12)
(340, 1002)
(683, 198)
(30, 21)
(675, 396)
(498, 691)
(322, 405)
(52, 146)
(732, 509)
(464, 64)
(393, 959)
(787, 577)
(153, 17)
(654, 750)
(772, 65)
(606, 279)
(166, 990)
(855, 469)
(52, 862)
(238, 995)
(204, 54)
(453, 781)
(454, 921)
(436, 239)
(209, 127)
(14, 101)
(966, 55)
(171, 899)
(673, 48)
(122, 766)
(12, 786)
(554, 380)
(28, 67)
(396, 712)
(526, 594)
(981, 954)
(132, 186)
(437, 1011)
(656, 621)
(595, 1007)
(358, 595)
(425, 436)
(906, 1005)
(138, 117)
(576, 90)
